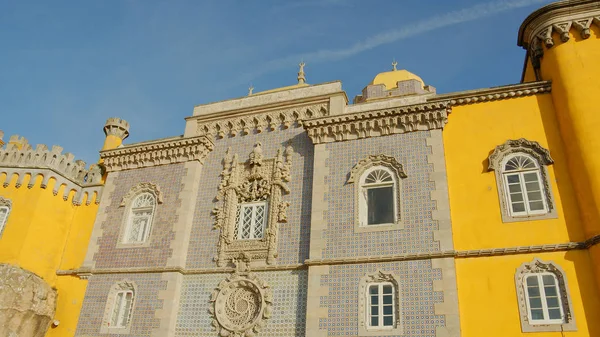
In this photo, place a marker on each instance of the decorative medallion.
(241, 302)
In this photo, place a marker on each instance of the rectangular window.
(381, 306)
(140, 224)
(251, 221)
(122, 309)
(525, 194)
(543, 299)
(380, 205)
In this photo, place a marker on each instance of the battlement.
(117, 127)
(18, 153)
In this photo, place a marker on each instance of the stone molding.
(141, 188)
(259, 122)
(320, 204)
(539, 266)
(5, 202)
(358, 125)
(257, 179)
(51, 164)
(379, 276)
(241, 303)
(495, 94)
(162, 152)
(541, 155)
(473, 253)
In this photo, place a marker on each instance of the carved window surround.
(365, 281)
(164, 152)
(376, 123)
(542, 156)
(270, 120)
(126, 202)
(356, 174)
(5, 208)
(105, 328)
(539, 266)
(257, 179)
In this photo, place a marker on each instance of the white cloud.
(436, 22)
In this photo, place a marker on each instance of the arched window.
(523, 182)
(377, 197)
(543, 297)
(5, 206)
(139, 221)
(120, 305)
(523, 185)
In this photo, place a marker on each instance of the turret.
(116, 130)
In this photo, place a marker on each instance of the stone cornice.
(163, 152)
(245, 122)
(495, 94)
(473, 253)
(375, 123)
(559, 17)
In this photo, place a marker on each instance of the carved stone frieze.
(140, 188)
(260, 122)
(496, 93)
(257, 179)
(375, 123)
(241, 303)
(164, 152)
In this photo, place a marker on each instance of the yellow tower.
(563, 46)
(48, 204)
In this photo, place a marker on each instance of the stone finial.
(250, 89)
(301, 76)
(117, 127)
(394, 64)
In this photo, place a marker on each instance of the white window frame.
(131, 216)
(240, 220)
(380, 315)
(543, 299)
(521, 174)
(4, 220)
(121, 309)
(363, 205)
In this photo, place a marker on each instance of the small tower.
(116, 130)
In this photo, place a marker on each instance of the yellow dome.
(391, 78)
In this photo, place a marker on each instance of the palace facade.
(292, 212)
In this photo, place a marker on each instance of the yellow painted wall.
(472, 133)
(488, 299)
(45, 233)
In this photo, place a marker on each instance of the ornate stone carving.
(539, 266)
(27, 303)
(5, 202)
(241, 303)
(521, 145)
(164, 152)
(140, 188)
(376, 160)
(19, 158)
(375, 123)
(260, 122)
(257, 179)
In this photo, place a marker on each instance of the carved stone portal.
(257, 179)
(241, 302)
(27, 303)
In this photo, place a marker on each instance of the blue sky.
(66, 66)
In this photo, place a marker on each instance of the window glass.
(543, 298)
(524, 190)
(122, 309)
(251, 221)
(381, 305)
(140, 218)
(380, 205)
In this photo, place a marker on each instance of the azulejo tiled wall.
(143, 319)
(289, 304)
(411, 150)
(417, 299)
(156, 253)
(294, 235)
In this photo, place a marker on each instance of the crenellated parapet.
(19, 158)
